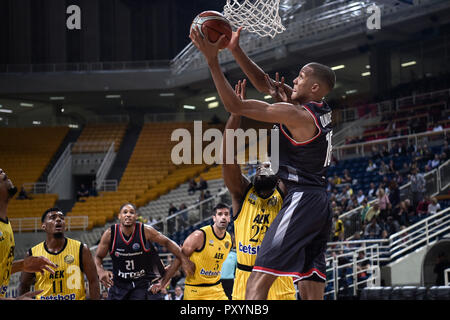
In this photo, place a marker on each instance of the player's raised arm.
(231, 172)
(260, 80)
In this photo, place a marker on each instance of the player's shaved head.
(323, 74)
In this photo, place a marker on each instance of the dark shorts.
(130, 290)
(295, 243)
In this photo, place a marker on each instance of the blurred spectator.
(172, 209)
(82, 192)
(384, 169)
(338, 228)
(391, 225)
(392, 168)
(373, 230)
(401, 214)
(202, 184)
(363, 267)
(347, 178)
(445, 148)
(394, 194)
(365, 208)
(336, 179)
(360, 197)
(178, 295)
(434, 206)
(373, 212)
(371, 166)
(384, 203)
(23, 194)
(405, 169)
(167, 296)
(435, 162)
(192, 186)
(207, 194)
(422, 207)
(372, 193)
(417, 186)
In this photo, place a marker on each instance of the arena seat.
(94, 136)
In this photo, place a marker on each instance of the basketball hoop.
(258, 16)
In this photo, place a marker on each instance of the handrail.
(64, 159)
(105, 166)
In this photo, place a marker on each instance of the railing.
(108, 185)
(381, 251)
(34, 224)
(105, 166)
(365, 148)
(35, 187)
(64, 160)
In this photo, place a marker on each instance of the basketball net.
(258, 16)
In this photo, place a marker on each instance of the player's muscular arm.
(102, 251)
(90, 270)
(26, 280)
(256, 75)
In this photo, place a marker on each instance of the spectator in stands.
(207, 194)
(172, 209)
(437, 127)
(371, 166)
(348, 191)
(372, 193)
(422, 207)
(360, 197)
(365, 208)
(339, 231)
(23, 194)
(405, 169)
(401, 214)
(372, 230)
(166, 295)
(391, 225)
(394, 194)
(178, 295)
(202, 184)
(445, 148)
(435, 162)
(347, 178)
(392, 168)
(384, 203)
(93, 190)
(336, 179)
(384, 169)
(398, 178)
(362, 266)
(442, 264)
(417, 186)
(434, 206)
(82, 192)
(192, 187)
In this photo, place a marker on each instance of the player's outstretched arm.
(90, 270)
(255, 74)
(26, 280)
(231, 170)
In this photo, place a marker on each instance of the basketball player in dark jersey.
(295, 243)
(136, 262)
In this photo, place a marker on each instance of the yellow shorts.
(204, 293)
(281, 289)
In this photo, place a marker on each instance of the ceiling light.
(189, 107)
(365, 74)
(57, 98)
(367, 66)
(409, 63)
(267, 97)
(75, 126)
(213, 105)
(210, 98)
(24, 104)
(351, 91)
(113, 96)
(167, 94)
(36, 122)
(341, 66)
(5, 110)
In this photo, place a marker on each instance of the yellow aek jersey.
(250, 225)
(7, 246)
(68, 281)
(205, 284)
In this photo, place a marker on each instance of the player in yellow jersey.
(73, 260)
(7, 245)
(207, 248)
(255, 206)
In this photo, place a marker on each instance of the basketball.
(213, 24)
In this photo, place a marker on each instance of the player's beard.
(265, 184)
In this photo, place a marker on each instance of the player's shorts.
(295, 243)
(281, 289)
(204, 292)
(129, 290)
